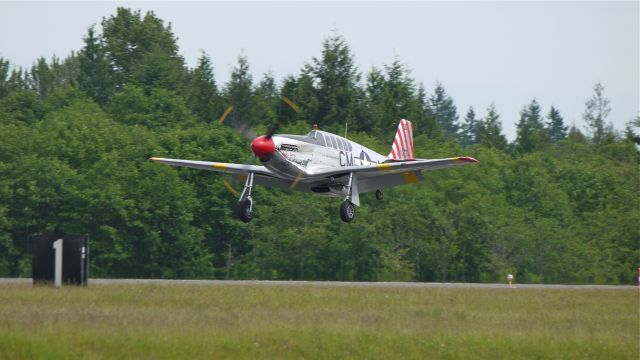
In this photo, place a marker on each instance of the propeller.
(263, 146)
(242, 127)
(230, 182)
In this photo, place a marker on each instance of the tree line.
(556, 205)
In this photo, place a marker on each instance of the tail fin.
(402, 148)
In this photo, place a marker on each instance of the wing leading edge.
(242, 169)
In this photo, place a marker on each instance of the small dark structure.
(75, 259)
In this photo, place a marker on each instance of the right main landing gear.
(244, 210)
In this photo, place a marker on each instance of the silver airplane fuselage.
(304, 156)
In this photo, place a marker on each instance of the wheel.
(244, 211)
(347, 211)
(379, 195)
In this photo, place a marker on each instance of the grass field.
(192, 321)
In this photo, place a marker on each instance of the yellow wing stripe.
(219, 166)
(383, 166)
(410, 178)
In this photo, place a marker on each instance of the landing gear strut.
(245, 204)
(348, 208)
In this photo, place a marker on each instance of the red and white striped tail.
(402, 148)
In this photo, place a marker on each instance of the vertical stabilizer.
(402, 148)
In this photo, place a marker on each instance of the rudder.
(402, 148)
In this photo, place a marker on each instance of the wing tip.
(467, 159)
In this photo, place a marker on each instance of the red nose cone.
(263, 148)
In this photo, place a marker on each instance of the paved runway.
(331, 284)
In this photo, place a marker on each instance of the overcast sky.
(482, 52)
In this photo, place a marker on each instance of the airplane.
(326, 164)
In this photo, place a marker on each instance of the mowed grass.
(257, 321)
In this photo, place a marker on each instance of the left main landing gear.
(348, 207)
(244, 210)
(347, 211)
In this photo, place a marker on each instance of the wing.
(398, 167)
(386, 175)
(230, 168)
(262, 175)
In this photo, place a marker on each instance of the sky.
(507, 52)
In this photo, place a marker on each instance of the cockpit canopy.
(330, 140)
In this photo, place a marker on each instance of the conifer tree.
(44, 77)
(41, 77)
(469, 130)
(631, 130)
(445, 111)
(531, 132)
(392, 96)
(238, 93)
(267, 100)
(203, 92)
(491, 130)
(427, 123)
(4, 77)
(576, 135)
(95, 73)
(555, 126)
(337, 77)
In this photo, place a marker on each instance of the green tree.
(24, 105)
(555, 126)
(95, 77)
(445, 111)
(491, 130)
(239, 93)
(204, 99)
(595, 114)
(576, 135)
(157, 108)
(336, 78)
(391, 96)
(632, 130)
(4, 77)
(44, 78)
(268, 102)
(470, 129)
(531, 132)
(302, 92)
(142, 50)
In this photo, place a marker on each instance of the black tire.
(379, 195)
(244, 211)
(347, 211)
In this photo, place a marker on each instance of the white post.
(57, 245)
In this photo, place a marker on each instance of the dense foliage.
(556, 206)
